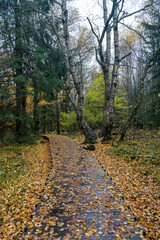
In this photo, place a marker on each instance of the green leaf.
(2, 174)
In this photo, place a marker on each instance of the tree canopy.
(47, 69)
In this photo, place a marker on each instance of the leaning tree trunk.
(90, 136)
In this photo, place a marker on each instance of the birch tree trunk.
(111, 85)
(104, 60)
(105, 68)
(90, 136)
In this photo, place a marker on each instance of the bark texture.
(90, 136)
(110, 80)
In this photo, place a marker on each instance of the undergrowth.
(143, 148)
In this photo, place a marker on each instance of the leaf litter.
(74, 205)
(141, 193)
(20, 194)
(79, 200)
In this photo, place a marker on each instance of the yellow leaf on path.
(52, 223)
(67, 237)
(89, 233)
(31, 225)
(60, 224)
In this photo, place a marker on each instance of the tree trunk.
(90, 136)
(20, 85)
(105, 61)
(110, 88)
(44, 122)
(35, 111)
(57, 116)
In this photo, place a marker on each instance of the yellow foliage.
(130, 37)
(30, 89)
(18, 196)
(43, 103)
(96, 91)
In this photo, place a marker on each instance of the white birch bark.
(110, 96)
(105, 68)
(90, 136)
(104, 60)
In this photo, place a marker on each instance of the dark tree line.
(32, 68)
(39, 62)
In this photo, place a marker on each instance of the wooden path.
(79, 200)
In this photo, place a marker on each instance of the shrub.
(94, 120)
(68, 122)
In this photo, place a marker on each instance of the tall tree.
(90, 136)
(12, 46)
(20, 80)
(103, 56)
(30, 52)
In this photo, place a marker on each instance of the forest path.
(79, 200)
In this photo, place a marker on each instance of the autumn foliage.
(22, 185)
(137, 180)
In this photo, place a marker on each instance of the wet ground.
(80, 200)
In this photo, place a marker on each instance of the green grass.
(12, 163)
(144, 148)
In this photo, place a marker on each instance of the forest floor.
(23, 172)
(133, 167)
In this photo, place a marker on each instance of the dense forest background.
(58, 75)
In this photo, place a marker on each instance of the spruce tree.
(151, 103)
(29, 52)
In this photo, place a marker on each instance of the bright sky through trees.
(92, 8)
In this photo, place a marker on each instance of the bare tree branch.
(107, 23)
(133, 13)
(133, 50)
(120, 8)
(126, 65)
(133, 30)
(92, 29)
(127, 55)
